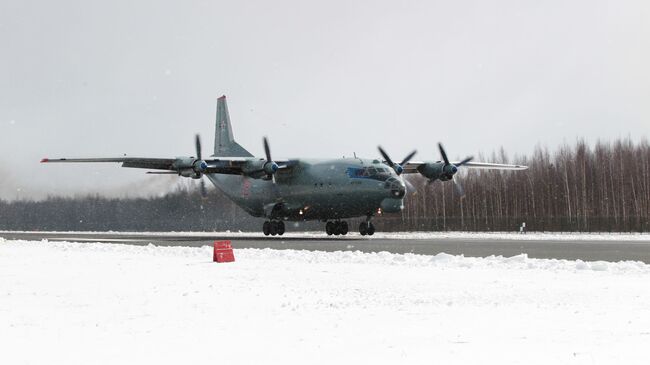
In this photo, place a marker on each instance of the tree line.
(576, 188)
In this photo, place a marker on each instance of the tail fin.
(224, 142)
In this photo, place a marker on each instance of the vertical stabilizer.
(224, 142)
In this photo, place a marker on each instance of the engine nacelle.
(432, 171)
(189, 173)
(259, 169)
(254, 169)
(183, 163)
(190, 167)
(438, 171)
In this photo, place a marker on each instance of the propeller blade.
(409, 187)
(267, 149)
(204, 192)
(197, 142)
(408, 158)
(468, 159)
(459, 188)
(443, 154)
(385, 156)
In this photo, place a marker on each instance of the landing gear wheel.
(329, 228)
(273, 228)
(337, 228)
(344, 227)
(280, 228)
(371, 229)
(266, 228)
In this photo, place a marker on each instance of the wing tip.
(45, 159)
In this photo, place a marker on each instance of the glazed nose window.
(397, 188)
(389, 183)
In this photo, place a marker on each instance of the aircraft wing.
(137, 162)
(415, 166)
(491, 166)
(215, 165)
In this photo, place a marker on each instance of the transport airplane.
(328, 190)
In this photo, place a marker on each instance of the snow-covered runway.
(66, 303)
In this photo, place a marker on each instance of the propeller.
(459, 188)
(200, 166)
(398, 167)
(190, 166)
(270, 167)
(449, 169)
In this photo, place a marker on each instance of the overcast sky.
(320, 79)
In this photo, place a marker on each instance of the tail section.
(224, 142)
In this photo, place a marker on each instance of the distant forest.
(575, 188)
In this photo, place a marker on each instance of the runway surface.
(587, 250)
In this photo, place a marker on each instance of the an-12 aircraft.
(328, 190)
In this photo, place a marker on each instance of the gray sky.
(320, 79)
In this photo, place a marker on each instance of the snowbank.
(74, 303)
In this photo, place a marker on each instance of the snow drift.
(106, 303)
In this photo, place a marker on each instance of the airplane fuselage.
(318, 190)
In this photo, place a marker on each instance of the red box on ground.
(223, 252)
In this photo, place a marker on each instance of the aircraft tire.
(344, 228)
(337, 228)
(266, 228)
(329, 228)
(273, 228)
(371, 229)
(280, 228)
(363, 228)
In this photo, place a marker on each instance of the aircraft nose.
(396, 186)
(401, 189)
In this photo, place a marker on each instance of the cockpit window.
(375, 173)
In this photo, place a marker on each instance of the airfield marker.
(223, 252)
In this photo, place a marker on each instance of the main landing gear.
(336, 228)
(367, 228)
(273, 227)
(341, 228)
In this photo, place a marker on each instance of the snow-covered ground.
(73, 303)
(531, 236)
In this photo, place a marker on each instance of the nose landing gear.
(336, 228)
(367, 228)
(273, 227)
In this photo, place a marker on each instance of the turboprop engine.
(190, 167)
(443, 170)
(262, 168)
